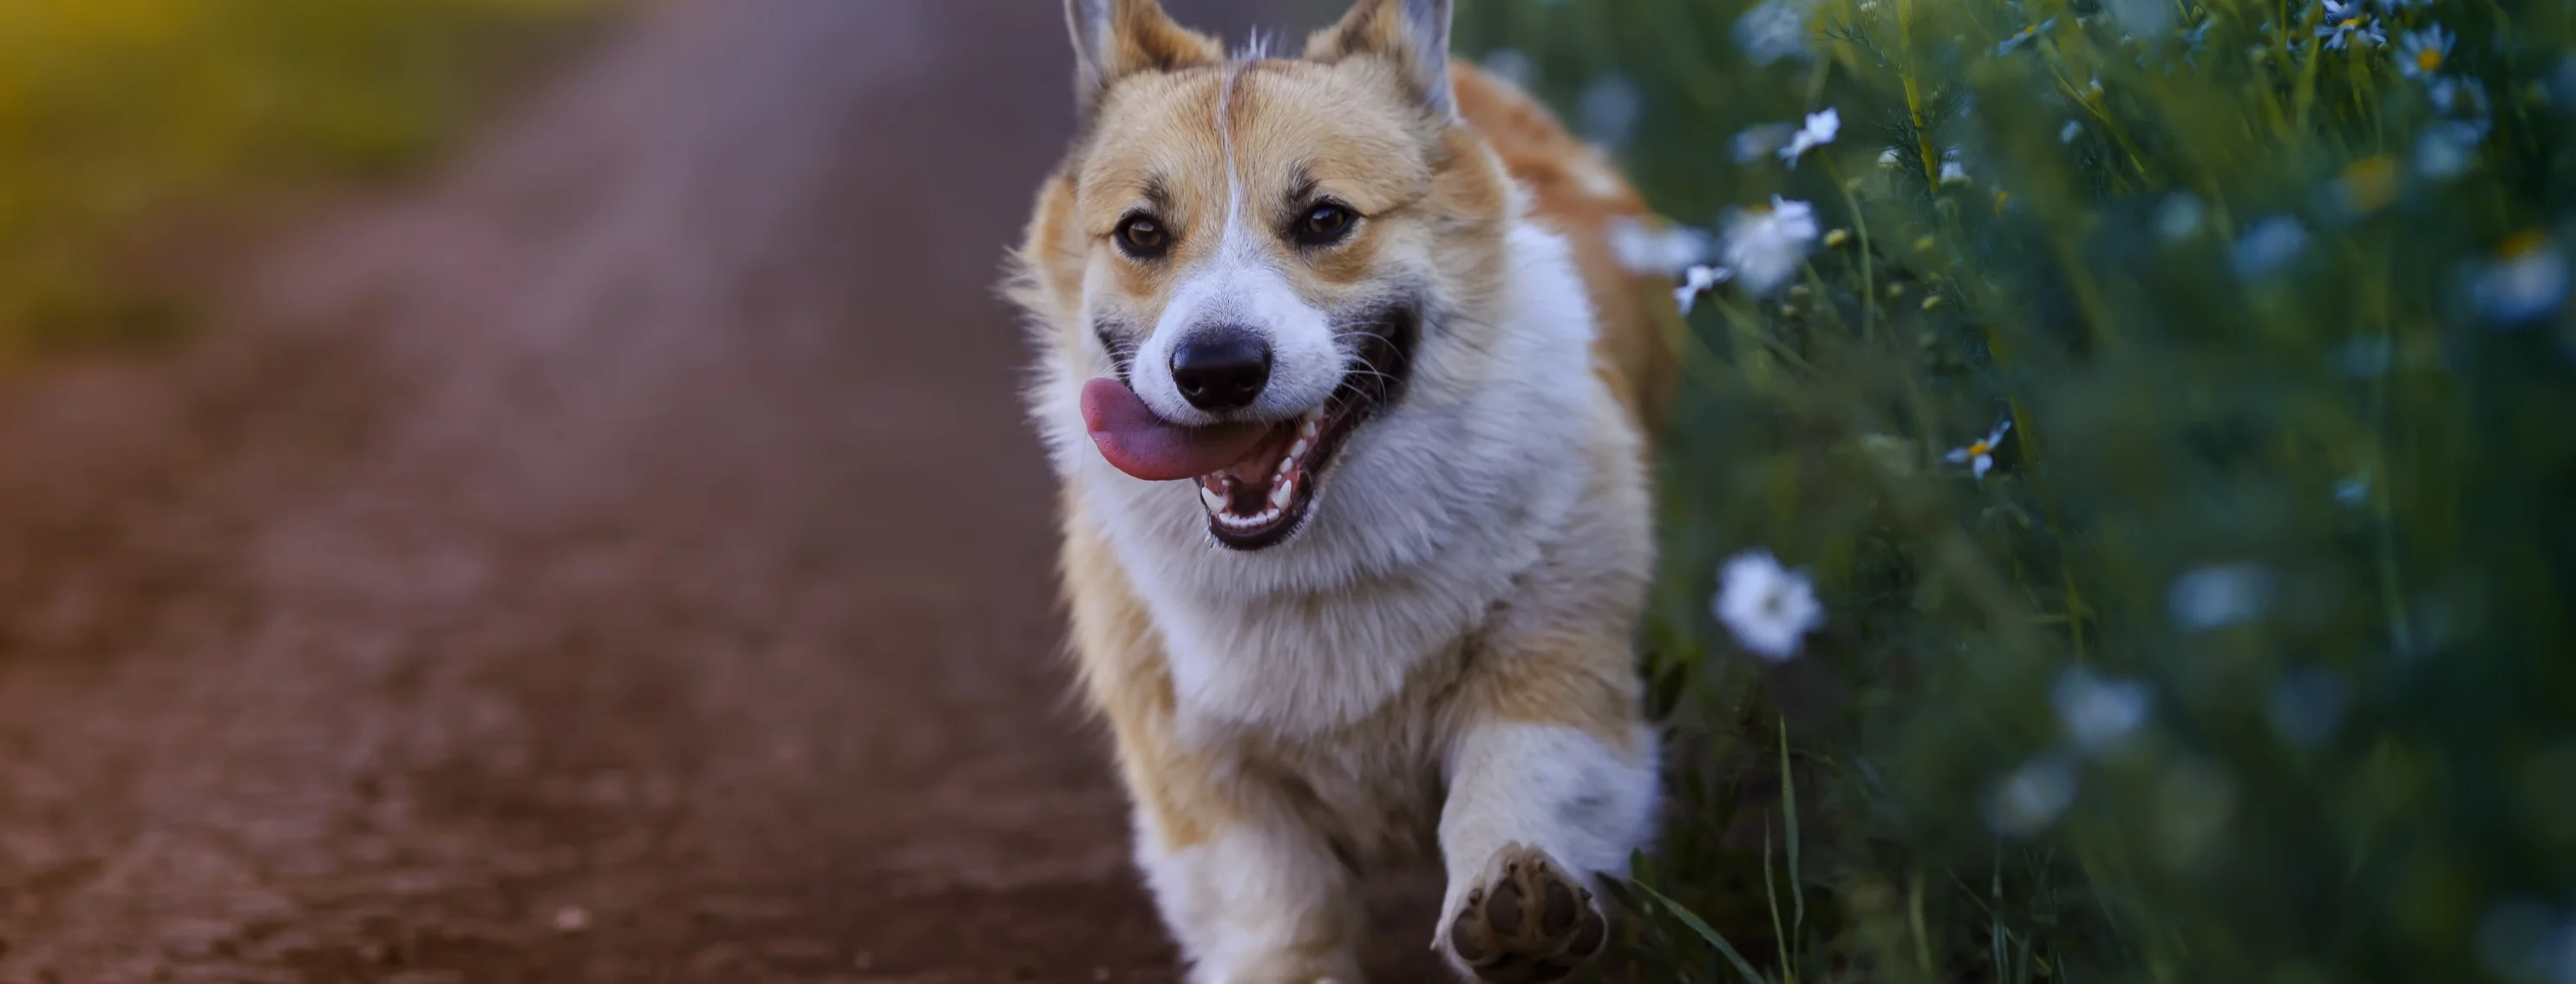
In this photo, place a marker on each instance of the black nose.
(1221, 372)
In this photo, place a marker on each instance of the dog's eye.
(1324, 224)
(1142, 237)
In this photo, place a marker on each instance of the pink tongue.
(1148, 447)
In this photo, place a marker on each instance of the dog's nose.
(1221, 372)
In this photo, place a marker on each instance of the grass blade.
(1789, 805)
(1705, 931)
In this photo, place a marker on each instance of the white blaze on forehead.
(1235, 243)
(1225, 139)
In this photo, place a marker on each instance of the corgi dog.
(1351, 401)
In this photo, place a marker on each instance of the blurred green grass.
(2249, 657)
(127, 124)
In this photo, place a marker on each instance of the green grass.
(2251, 659)
(122, 121)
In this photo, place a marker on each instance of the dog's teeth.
(1247, 522)
(1281, 493)
(1215, 502)
(1298, 450)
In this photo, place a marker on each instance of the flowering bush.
(2121, 518)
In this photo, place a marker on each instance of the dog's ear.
(1411, 34)
(1116, 38)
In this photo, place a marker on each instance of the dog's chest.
(1372, 790)
(1296, 667)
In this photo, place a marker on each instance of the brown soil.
(619, 558)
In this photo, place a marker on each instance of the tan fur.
(1127, 682)
(1581, 194)
(1440, 200)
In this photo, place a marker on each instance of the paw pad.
(1529, 922)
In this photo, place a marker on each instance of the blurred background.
(534, 490)
(129, 123)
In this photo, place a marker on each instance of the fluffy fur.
(1438, 661)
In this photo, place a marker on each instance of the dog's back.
(1576, 191)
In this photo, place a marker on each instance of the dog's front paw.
(1529, 921)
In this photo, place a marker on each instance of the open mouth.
(1259, 500)
(1268, 473)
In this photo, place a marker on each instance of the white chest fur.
(1296, 664)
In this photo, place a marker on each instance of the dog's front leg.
(1552, 780)
(1258, 900)
(1251, 895)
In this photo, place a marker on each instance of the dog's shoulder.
(1578, 191)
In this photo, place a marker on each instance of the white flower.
(1757, 141)
(2345, 23)
(1768, 607)
(2146, 18)
(2421, 53)
(2032, 797)
(2098, 712)
(2068, 133)
(2526, 280)
(2465, 97)
(1608, 110)
(1512, 66)
(1775, 30)
(1657, 251)
(2447, 149)
(1765, 245)
(1980, 456)
(1890, 158)
(2268, 247)
(2219, 595)
(2179, 216)
(1819, 131)
(2024, 36)
(1952, 173)
(2525, 940)
(1699, 279)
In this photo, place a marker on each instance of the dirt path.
(618, 559)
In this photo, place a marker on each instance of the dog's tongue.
(1150, 448)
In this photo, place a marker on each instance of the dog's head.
(1257, 245)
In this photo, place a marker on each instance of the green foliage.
(2251, 658)
(115, 115)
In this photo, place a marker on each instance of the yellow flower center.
(2523, 244)
(2350, 23)
(1980, 449)
(2428, 59)
(2370, 184)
